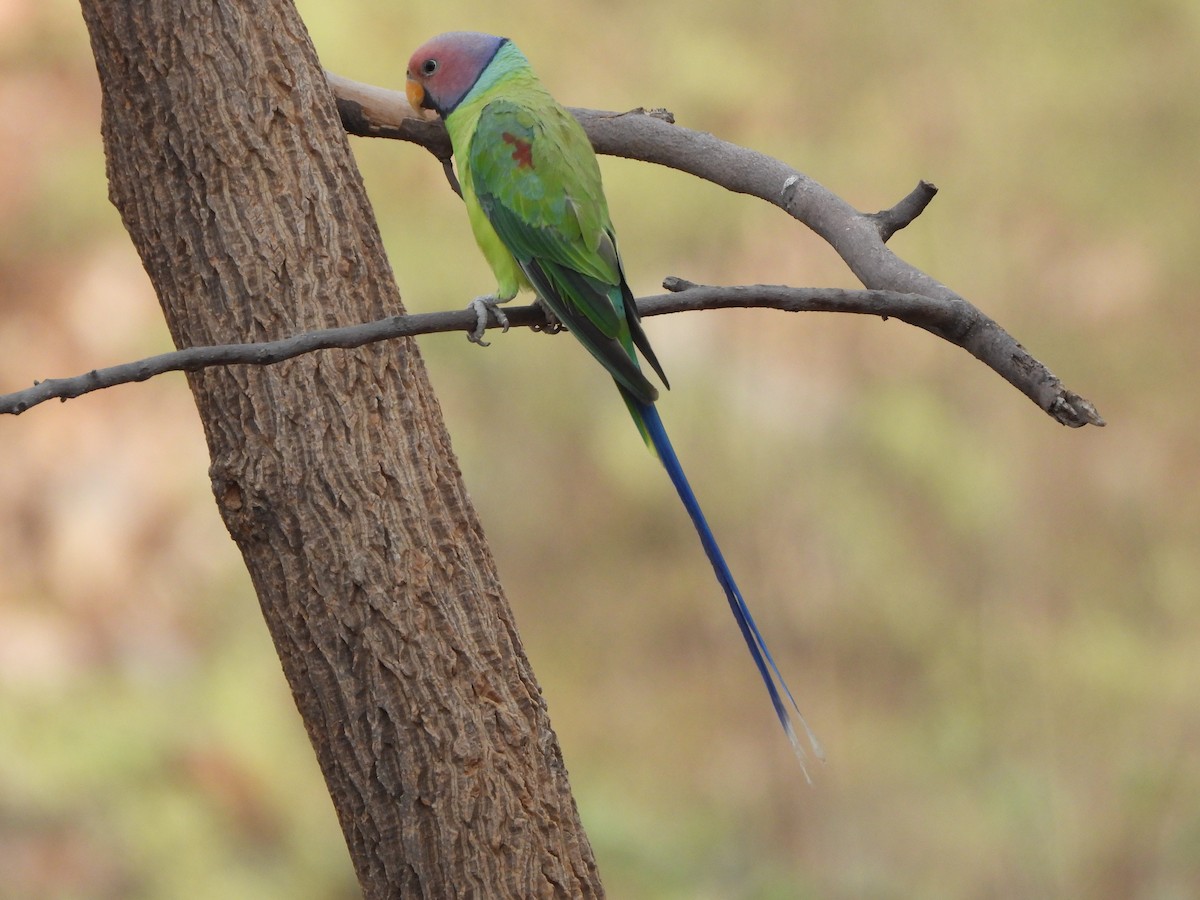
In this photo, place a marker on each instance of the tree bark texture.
(333, 471)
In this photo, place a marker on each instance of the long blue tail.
(652, 428)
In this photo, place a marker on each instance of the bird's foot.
(483, 306)
(553, 324)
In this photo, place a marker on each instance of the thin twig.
(936, 316)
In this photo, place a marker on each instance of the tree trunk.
(333, 472)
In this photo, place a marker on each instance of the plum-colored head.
(445, 68)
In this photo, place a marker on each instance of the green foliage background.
(991, 621)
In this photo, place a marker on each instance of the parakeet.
(537, 208)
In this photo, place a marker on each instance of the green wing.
(535, 176)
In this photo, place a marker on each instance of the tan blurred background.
(991, 621)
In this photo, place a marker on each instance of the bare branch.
(939, 317)
(262, 353)
(859, 238)
(964, 327)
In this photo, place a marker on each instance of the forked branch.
(859, 238)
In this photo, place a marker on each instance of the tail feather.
(651, 427)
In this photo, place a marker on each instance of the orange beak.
(416, 96)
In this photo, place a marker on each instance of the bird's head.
(444, 69)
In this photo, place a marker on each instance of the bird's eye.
(429, 67)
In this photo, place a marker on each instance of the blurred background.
(992, 622)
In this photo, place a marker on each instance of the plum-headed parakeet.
(532, 188)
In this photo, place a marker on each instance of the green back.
(528, 169)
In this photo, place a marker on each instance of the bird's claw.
(553, 324)
(483, 306)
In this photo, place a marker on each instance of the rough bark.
(333, 472)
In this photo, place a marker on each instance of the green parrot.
(532, 187)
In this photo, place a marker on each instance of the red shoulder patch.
(522, 150)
